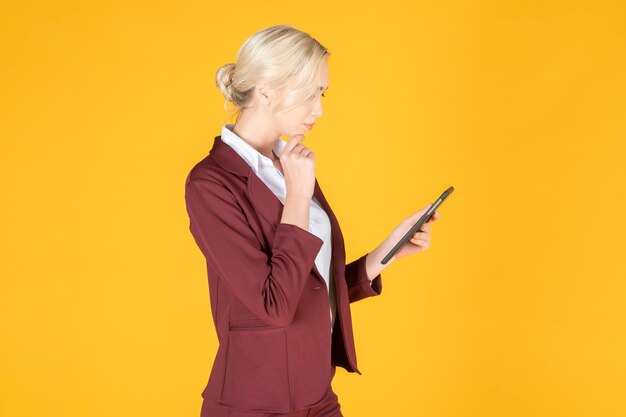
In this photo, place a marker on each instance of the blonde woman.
(279, 286)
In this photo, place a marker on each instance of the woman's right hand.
(298, 163)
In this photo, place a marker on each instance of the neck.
(257, 134)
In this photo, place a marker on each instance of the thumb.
(419, 213)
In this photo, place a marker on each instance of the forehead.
(323, 75)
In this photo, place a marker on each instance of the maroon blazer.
(268, 300)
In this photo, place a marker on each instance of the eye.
(324, 95)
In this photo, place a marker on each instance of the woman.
(279, 286)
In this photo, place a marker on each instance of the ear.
(264, 92)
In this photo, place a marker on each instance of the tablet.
(417, 225)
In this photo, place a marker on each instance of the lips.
(309, 126)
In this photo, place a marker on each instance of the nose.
(317, 108)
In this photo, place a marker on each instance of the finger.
(421, 246)
(434, 217)
(425, 227)
(299, 150)
(420, 240)
(419, 213)
(291, 143)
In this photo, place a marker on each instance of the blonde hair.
(280, 54)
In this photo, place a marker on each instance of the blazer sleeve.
(269, 284)
(359, 286)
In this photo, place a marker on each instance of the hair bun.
(231, 73)
(224, 79)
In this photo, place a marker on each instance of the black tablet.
(417, 225)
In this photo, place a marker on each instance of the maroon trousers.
(329, 407)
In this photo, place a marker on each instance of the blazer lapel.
(338, 252)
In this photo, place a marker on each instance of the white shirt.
(319, 223)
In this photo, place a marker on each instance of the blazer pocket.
(256, 370)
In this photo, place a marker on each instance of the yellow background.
(518, 307)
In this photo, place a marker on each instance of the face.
(293, 122)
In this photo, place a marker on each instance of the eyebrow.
(322, 88)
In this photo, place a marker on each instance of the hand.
(298, 163)
(419, 242)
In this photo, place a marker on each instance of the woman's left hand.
(420, 241)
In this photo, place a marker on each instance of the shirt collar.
(253, 157)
